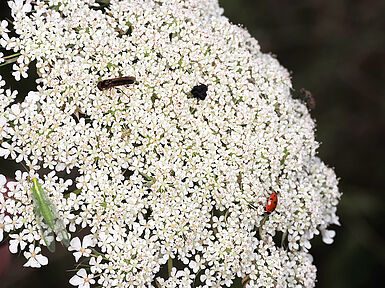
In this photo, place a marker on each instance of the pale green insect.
(48, 218)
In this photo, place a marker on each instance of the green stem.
(261, 224)
(283, 239)
(196, 276)
(12, 55)
(169, 266)
(8, 61)
(77, 192)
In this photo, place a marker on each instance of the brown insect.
(113, 82)
(308, 98)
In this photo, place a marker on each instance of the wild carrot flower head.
(154, 174)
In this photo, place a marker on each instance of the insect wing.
(56, 223)
(61, 231)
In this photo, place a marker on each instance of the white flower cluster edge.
(150, 172)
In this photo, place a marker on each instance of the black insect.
(199, 91)
(308, 98)
(109, 83)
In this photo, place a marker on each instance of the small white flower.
(32, 97)
(3, 180)
(35, 260)
(17, 239)
(197, 264)
(2, 82)
(4, 152)
(20, 71)
(328, 235)
(81, 248)
(3, 27)
(10, 223)
(208, 277)
(82, 280)
(19, 7)
(1, 225)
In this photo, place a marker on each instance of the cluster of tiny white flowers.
(156, 176)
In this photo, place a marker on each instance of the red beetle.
(272, 203)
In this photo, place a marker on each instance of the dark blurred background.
(336, 50)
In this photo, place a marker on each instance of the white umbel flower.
(177, 165)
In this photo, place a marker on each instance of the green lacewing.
(48, 218)
(109, 83)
